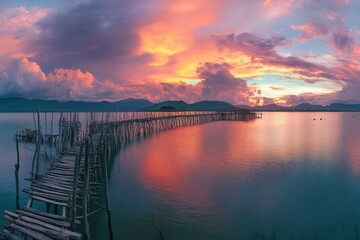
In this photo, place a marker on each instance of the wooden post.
(34, 120)
(108, 210)
(17, 166)
(35, 157)
(38, 119)
(45, 125)
(39, 140)
(86, 192)
(59, 147)
(74, 190)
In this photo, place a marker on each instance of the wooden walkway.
(60, 198)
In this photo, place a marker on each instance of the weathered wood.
(40, 228)
(85, 191)
(29, 231)
(17, 167)
(75, 188)
(8, 235)
(46, 200)
(56, 222)
(108, 209)
(43, 214)
(43, 225)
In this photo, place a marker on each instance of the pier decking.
(59, 199)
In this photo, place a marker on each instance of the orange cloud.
(172, 30)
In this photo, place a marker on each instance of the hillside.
(183, 106)
(29, 105)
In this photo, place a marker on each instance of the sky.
(252, 52)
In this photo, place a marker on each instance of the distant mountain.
(344, 107)
(305, 107)
(130, 104)
(270, 107)
(183, 106)
(29, 105)
(210, 105)
(177, 105)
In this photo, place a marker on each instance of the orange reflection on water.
(170, 165)
(189, 164)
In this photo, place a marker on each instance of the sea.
(289, 175)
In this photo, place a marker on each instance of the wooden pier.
(59, 203)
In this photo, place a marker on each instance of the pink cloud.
(18, 27)
(21, 77)
(313, 29)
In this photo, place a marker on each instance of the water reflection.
(285, 171)
(286, 175)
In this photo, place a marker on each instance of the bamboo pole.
(75, 183)
(108, 209)
(17, 166)
(39, 140)
(35, 157)
(34, 121)
(86, 192)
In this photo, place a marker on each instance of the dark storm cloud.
(89, 33)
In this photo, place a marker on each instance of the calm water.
(284, 176)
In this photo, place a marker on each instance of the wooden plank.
(43, 190)
(44, 214)
(54, 186)
(49, 201)
(8, 235)
(62, 223)
(31, 233)
(60, 173)
(44, 186)
(63, 231)
(45, 195)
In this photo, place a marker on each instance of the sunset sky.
(252, 52)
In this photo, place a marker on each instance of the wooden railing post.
(86, 192)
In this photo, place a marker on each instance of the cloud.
(343, 71)
(219, 84)
(119, 49)
(350, 94)
(343, 40)
(278, 88)
(292, 100)
(324, 5)
(24, 78)
(263, 50)
(250, 44)
(314, 29)
(17, 29)
(90, 33)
